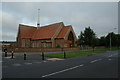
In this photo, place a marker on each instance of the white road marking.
(95, 60)
(62, 70)
(27, 63)
(44, 61)
(109, 59)
(110, 56)
(81, 65)
(55, 59)
(16, 64)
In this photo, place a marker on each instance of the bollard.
(5, 53)
(24, 56)
(12, 55)
(64, 54)
(43, 56)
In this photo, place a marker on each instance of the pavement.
(101, 65)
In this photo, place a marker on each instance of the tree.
(102, 41)
(88, 37)
(94, 42)
(118, 40)
(81, 39)
(115, 40)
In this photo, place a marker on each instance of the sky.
(102, 17)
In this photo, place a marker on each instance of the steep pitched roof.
(63, 32)
(57, 30)
(45, 32)
(26, 31)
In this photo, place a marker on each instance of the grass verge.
(79, 53)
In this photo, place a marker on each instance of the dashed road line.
(16, 64)
(110, 56)
(95, 60)
(28, 63)
(109, 59)
(44, 61)
(63, 70)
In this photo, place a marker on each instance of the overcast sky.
(102, 17)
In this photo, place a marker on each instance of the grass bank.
(79, 53)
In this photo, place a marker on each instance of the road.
(102, 65)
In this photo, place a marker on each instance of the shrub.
(58, 46)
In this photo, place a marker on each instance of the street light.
(110, 39)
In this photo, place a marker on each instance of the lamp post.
(110, 39)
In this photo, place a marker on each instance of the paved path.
(102, 65)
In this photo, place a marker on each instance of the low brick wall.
(40, 49)
(48, 49)
(100, 47)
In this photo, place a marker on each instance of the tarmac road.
(102, 65)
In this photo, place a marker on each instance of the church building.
(49, 36)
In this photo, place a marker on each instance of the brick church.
(53, 35)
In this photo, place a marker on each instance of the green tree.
(81, 39)
(102, 41)
(94, 42)
(89, 34)
(118, 40)
(88, 37)
(115, 40)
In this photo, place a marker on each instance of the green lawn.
(78, 53)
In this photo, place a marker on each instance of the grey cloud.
(9, 23)
(8, 36)
(100, 16)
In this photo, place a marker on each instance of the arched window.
(71, 37)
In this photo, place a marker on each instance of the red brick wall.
(59, 42)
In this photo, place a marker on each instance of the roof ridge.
(63, 31)
(58, 30)
(23, 25)
(51, 24)
(68, 26)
